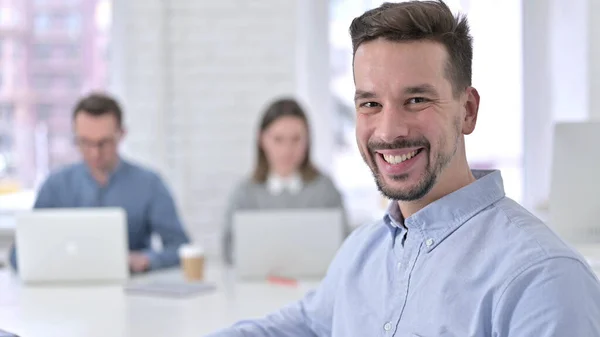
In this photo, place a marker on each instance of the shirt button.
(387, 326)
(399, 265)
(429, 242)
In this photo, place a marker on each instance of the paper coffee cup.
(192, 262)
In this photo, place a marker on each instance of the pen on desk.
(282, 281)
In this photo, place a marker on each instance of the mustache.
(374, 145)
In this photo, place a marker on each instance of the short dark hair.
(98, 104)
(281, 108)
(418, 21)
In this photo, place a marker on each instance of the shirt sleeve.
(312, 316)
(557, 297)
(165, 222)
(47, 195)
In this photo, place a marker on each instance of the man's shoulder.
(523, 240)
(527, 229)
(141, 172)
(66, 172)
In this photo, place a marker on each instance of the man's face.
(409, 124)
(98, 139)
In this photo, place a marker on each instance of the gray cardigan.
(249, 195)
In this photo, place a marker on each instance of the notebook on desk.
(170, 289)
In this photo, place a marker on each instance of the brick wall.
(193, 77)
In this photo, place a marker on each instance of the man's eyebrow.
(361, 94)
(420, 89)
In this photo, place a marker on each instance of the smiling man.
(453, 256)
(104, 179)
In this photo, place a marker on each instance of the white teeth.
(398, 159)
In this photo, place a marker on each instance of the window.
(42, 82)
(59, 19)
(44, 111)
(45, 91)
(73, 23)
(7, 112)
(103, 15)
(9, 17)
(71, 50)
(41, 23)
(17, 49)
(6, 137)
(42, 51)
(5, 142)
(73, 81)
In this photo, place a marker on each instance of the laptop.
(73, 245)
(297, 244)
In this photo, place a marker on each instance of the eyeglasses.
(90, 144)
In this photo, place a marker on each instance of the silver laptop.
(75, 245)
(286, 243)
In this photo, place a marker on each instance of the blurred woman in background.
(284, 176)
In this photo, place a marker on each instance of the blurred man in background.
(104, 179)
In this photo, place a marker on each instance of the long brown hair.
(281, 108)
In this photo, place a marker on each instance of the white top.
(99, 311)
(277, 184)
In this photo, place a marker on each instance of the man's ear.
(123, 132)
(471, 108)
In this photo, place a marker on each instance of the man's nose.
(392, 124)
(94, 151)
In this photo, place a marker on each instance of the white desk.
(102, 311)
(90, 311)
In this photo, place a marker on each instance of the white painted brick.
(194, 77)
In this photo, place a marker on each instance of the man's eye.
(417, 100)
(369, 105)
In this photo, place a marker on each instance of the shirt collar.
(438, 220)
(118, 168)
(277, 184)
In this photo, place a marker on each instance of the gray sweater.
(249, 195)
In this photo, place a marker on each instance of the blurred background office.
(193, 76)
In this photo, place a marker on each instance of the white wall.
(537, 104)
(561, 79)
(194, 76)
(591, 17)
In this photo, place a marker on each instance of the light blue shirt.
(140, 192)
(473, 263)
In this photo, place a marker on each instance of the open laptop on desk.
(286, 243)
(77, 245)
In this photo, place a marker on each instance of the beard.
(427, 180)
(423, 186)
